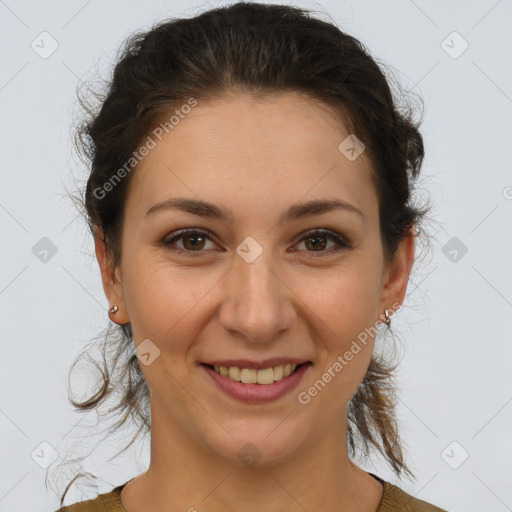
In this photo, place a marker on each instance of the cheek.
(348, 347)
(164, 301)
(347, 303)
(349, 312)
(164, 305)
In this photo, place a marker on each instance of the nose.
(258, 303)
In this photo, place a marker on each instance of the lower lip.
(257, 393)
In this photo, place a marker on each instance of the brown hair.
(258, 49)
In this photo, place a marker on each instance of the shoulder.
(395, 499)
(107, 502)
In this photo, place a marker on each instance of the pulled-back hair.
(257, 49)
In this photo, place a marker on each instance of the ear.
(111, 279)
(396, 274)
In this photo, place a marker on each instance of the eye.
(196, 236)
(318, 236)
(195, 239)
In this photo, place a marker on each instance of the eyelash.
(341, 243)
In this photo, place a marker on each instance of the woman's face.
(258, 286)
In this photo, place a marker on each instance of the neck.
(185, 475)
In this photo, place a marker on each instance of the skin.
(256, 157)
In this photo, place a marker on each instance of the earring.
(113, 310)
(388, 318)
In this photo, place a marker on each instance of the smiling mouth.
(252, 376)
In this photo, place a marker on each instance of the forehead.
(265, 152)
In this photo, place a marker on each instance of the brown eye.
(197, 241)
(193, 241)
(317, 240)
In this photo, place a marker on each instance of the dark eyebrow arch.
(297, 211)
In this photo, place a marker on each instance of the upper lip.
(257, 365)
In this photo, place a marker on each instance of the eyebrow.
(297, 211)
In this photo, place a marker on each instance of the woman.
(250, 202)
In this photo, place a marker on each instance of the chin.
(257, 449)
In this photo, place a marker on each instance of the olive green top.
(393, 500)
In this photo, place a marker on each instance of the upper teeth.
(252, 376)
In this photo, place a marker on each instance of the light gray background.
(455, 376)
